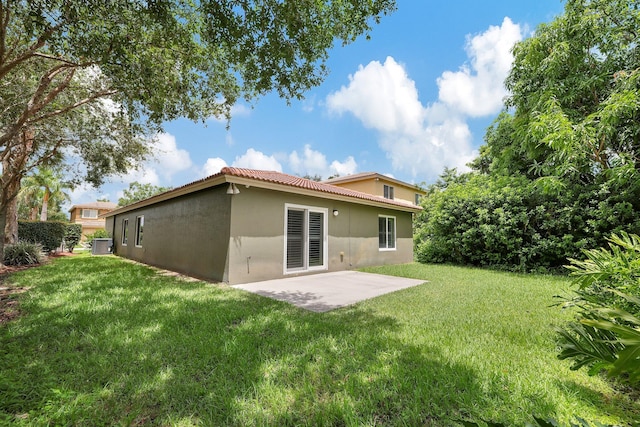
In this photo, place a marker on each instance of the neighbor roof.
(94, 205)
(362, 176)
(274, 181)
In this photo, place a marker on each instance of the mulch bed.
(9, 304)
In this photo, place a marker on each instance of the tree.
(575, 88)
(65, 65)
(565, 153)
(42, 189)
(137, 192)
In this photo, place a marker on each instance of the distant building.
(88, 214)
(380, 185)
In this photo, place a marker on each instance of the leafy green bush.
(72, 236)
(48, 233)
(606, 333)
(22, 253)
(98, 234)
(519, 224)
(505, 222)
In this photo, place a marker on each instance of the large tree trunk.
(11, 227)
(14, 162)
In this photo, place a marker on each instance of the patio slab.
(327, 291)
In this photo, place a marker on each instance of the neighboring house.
(89, 215)
(380, 185)
(245, 225)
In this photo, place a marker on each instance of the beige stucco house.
(380, 185)
(246, 225)
(91, 216)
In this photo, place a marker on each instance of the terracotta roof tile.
(296, 181)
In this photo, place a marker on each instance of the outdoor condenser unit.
(101, 246)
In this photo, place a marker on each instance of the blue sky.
(413, 99)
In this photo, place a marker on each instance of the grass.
(103, 341)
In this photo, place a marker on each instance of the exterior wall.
(89, 226)
(375, 186)
(188, 234)
(256, 245)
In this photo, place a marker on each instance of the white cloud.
(382, 96)
(422, 139)
(348, 167)
(169, 157)
(253, 159)
(213, 166)
(312, 162)
(478, 89)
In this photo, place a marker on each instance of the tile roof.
(226, 174)
(94, 205)
(367, 175)
(298, 182)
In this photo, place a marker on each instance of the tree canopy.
(138, 191)
(88, 81)
(560, 170)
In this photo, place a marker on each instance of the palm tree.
(46, 185)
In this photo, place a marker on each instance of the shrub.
(72, 236)
(48, 233)
(22, 253)
(606, 332)
(98, 234)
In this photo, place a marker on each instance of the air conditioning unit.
(102, 246)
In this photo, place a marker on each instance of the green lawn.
(103, 341)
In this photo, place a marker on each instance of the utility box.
(101, 246)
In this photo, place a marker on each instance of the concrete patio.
(327, 291)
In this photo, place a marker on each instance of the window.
(418, 197)
(125, 226)
(305, 238)
(386, 232)
(388, 192)
(90, 213)
(139, 228)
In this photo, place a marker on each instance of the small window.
(388, 192)
(125, 228)
(418, 197)
(90, 213)
(386, 232)
(139, 229)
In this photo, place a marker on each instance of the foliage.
(42, 189)
(606, 333)
(49, 234)
(72, 236)
(505, 222)
(128, 345)
(98, 234)
(87, 83)
(22, 253)
(138, 191)
(567, 150)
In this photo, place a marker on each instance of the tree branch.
(68, 108)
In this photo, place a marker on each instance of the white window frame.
(139, 233)
(125, 231)
(82, 214)
(325, 238)
(395, 235)
(387, 191)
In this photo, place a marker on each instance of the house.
(246, 225)
(89, 215)
(380, 185)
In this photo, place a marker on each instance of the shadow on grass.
(105, 342)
